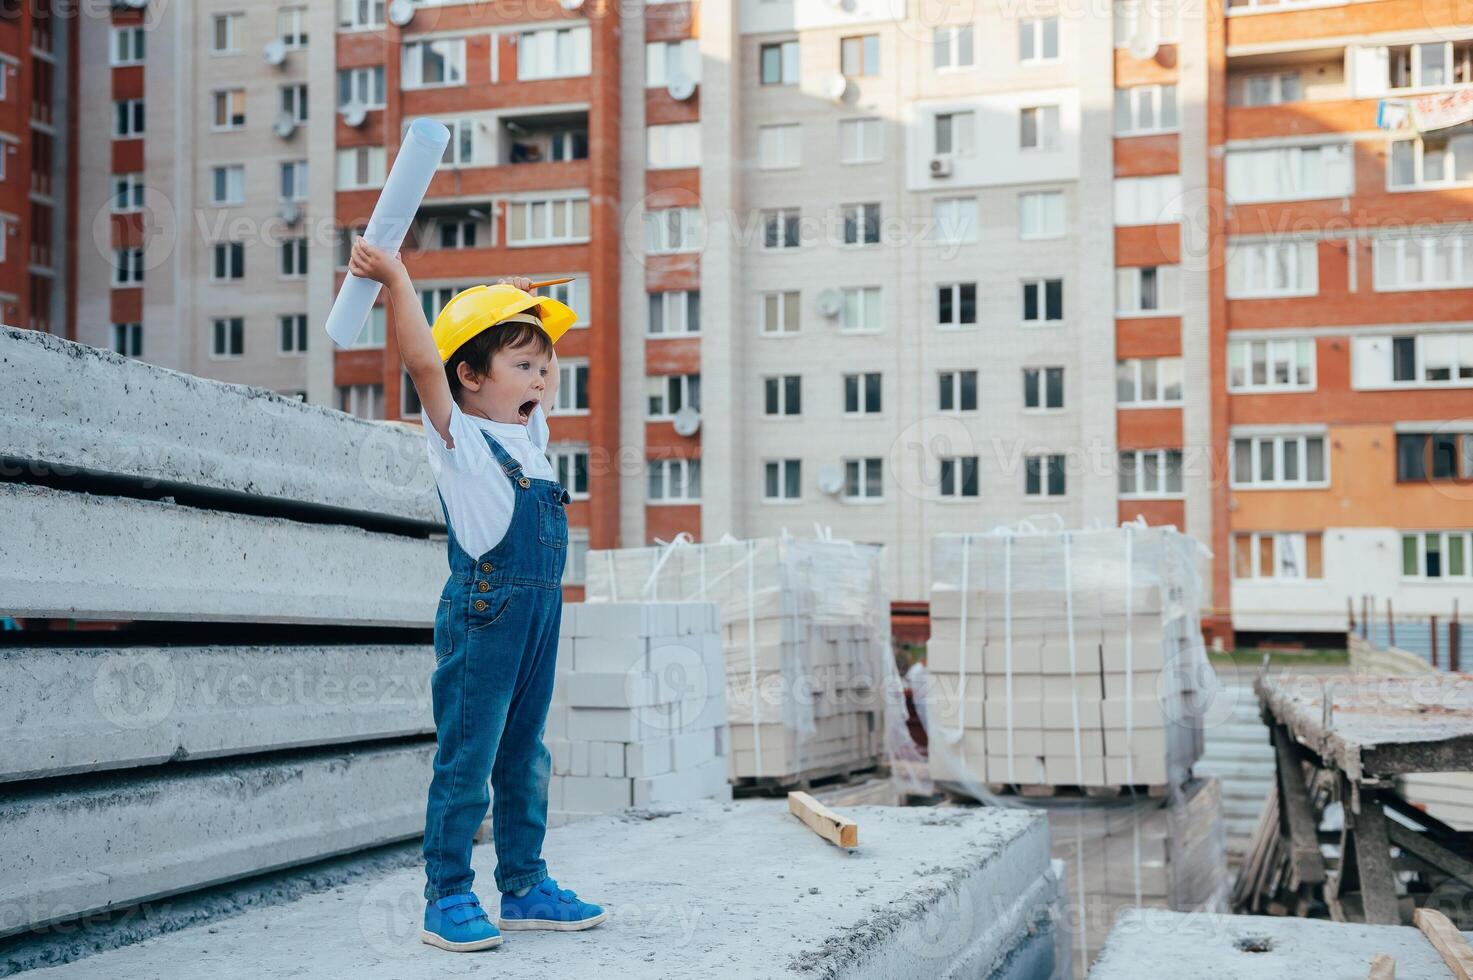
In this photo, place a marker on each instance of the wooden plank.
(1373, 858)
(1447, 940)
(823, 821)
(1297, 811)
(1383, 967)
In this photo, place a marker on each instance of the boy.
(483, 376)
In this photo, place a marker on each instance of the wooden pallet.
(748, 786)
(958, 792)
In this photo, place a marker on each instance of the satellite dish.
(830, 301)
(681, 87)
(285, 125)
(354, 114)
(1143, 46)
(289, 212)
(687, 421)
(274, 52)
(837, 87)
(830, 479)
(401, 12)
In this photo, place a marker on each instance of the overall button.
(485, 566)
(480, 605)
(524, 483)
(484, 586)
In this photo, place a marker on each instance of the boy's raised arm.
(411, 330)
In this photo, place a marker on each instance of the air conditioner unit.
(274, 52)
(354, 114)
(401, 12)
(940, 167)
(285, 125)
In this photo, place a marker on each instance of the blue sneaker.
(459, 924)
(547, 906)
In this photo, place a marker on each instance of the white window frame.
(1290, 353)
(1299, 545)
(554, 52)
(1278, 90)
(127, 339)
(780, 384)
(775, 308)
(788, 62)
(292, 262)
(1162, 460)
(294, 101)
(229, 250)
(663, 60)
(948, 39)
(689, 235)
(412, 63)
(1038, 209)
(365, 87)
(227, 169)
(1282, 446)
(862, 468)
(374, 332)
(1415, 69)
(667, 388)
(780, 146)
(298, 171)
(564, 460)
(860, 381)
(573, 295)
(127, 266)
(572, 386)
(232, 21)
(368, 159)
(1453, 349)
(1130, 290)
(950, 382)
(361, 15)
(1397, 251)
(674, 476)
(956, 289)
(958, 129)
(1033, 40)
(858, 213)
(229, 321)
(868, 150)
(291, 27)
(673, 146)
(954, 220)
(675, 307)
(363, 401)
(1153, 200)
(1040, 285)
(1298, 162)
(1443, 539)
(1047, 129)
(133, 111)
(1035, 382)
(1252, 267)
(1160, 99)
(461, 150)
(295, 326)
(780, 220)
(128, 188)
(1162, 374)
(575, 568)
(221, 99)
(552, 205)
(951, 477)
(126, 45)
(1048, 463)
(860, 310)
(775, 472)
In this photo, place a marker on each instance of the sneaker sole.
(552, 924)
(425, 936)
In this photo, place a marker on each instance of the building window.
(227, 184)
(1143, 109)
(294, 102)
(573, 295)
(1259, 269)
(861, 224)
(292, 330)
(1437, 555)
(355, 15)
(572, 390)
(372, 334)
(1038, 127)
(780, 228)
(668, 393)
(1265, 88)
(127, 118)
(294, 257)
(571, 466)
(128, 339)
(674, 480)
(780, 313)
(1265, 462)
(1043, 301)
(553, 52)
(1432, 65)
(675, 314)
(782, 479)
(952, 134)
(127, 192)
(1043, 388)
(546, 222)
(127, 46)
(779, 147)
(958, 391)
(1150, 473)
(457, 234)
(1432, 360)
(859, 311)
(1148, 20)
(862, 394)
(294, 180)
(779, 63)
(1148, 381)
(291, 27)
(859, 55)
(665, 61)
(228, 337)
(956, 304)
(127, 266)
(1441, 262)
(1289, 173)
(229, 264)
(952, 48)
(1148, 290)
(862, 479)
(226, 34)
(783, 395)
(1271, 365)
(575, 569)
(432, 301)
(673, 146)
(1277, 556)
(409, 403)
(1043, 475)
(958, 476)
(1040, 215)
(433, 64)
(860, 141)
(360, 168)
(230, 109)
(668, 230)
(954, 220)
(363, 401)
(1439, 456)
(1148, 200)
(1038, 39)
(361, 86)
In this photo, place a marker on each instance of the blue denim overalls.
(496, 634)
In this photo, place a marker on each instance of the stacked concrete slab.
(804, 629)
(639, 709)
(1065, 659)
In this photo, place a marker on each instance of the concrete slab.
(1185, 946)
(114, 841)
(81, 710)
(90, 557)
(699, 890)
(74, 407)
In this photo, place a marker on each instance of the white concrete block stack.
(639, 710)
(1064, 659)
(804, 629)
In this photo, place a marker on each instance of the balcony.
(543, 138)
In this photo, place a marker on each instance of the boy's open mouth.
(524, 413)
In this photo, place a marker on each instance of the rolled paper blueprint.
(420, 153)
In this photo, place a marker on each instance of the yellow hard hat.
(471, 311)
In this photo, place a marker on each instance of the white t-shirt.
(478, 496)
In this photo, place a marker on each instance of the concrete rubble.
(694, 890)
